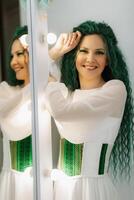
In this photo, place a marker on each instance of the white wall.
(64, 14)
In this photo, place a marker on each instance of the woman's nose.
(90, 57)
(13, 61)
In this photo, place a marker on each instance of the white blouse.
(87, 115)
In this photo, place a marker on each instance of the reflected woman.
(15, 122)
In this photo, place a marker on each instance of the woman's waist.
(95, 159)
(21, 154)
(88, 159)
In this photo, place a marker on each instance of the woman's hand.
(65, 43)
(51, 78)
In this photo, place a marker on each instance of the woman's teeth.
(89, 67)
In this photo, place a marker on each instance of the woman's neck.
(26, 82)
(91, 84)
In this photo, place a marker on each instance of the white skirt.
(16, 185)
(83, 188)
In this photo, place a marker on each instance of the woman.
(93, 111)
(15, 121)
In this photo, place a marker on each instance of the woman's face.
(91, 58)
(19, 61)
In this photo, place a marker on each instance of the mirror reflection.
(16, 177)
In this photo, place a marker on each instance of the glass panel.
(18, 143)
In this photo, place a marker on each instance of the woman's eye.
(100, 52)
(20, 53)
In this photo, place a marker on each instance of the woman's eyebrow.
(18, 51)
(100, 49)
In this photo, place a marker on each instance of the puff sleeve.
(15, 111)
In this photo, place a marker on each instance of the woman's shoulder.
(115, 83)
(5, 85)
(115, 88)
(7, 89)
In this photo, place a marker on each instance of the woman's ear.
(26, 54)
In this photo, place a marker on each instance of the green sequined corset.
(21, 153)
(70, 158)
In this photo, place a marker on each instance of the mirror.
(16, 180)
(59, 17)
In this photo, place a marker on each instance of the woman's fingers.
(72, 39)
(75, 38)
(78, 36)
(66, 37)
(65, 43)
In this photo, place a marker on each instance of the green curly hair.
(11, 76)
(120, 160)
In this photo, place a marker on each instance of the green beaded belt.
(21, 154)
(70, 158)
